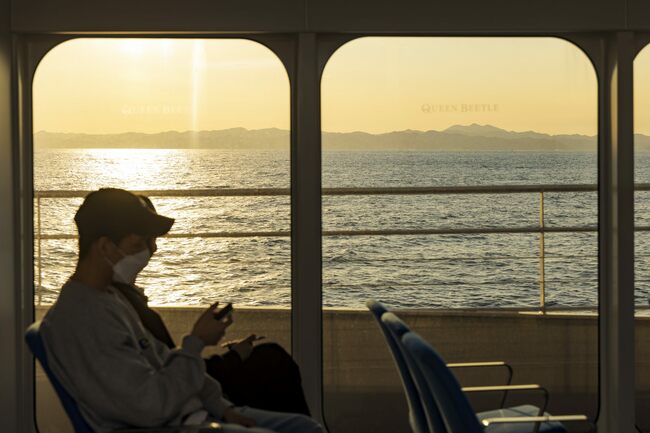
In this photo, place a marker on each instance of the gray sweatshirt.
(119, 374)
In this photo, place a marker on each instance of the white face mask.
(128, 267)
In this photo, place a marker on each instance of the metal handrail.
(540, 189)
(414, 190)
(385, 232)
(410, 190)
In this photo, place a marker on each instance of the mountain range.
(455, 138)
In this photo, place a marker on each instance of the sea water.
(457, 270)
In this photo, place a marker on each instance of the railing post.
(542, 269)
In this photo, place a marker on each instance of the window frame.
(304, 55)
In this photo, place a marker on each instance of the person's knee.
(308, 424)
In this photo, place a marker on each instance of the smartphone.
(225, 311)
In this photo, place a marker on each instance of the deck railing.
(541, 228)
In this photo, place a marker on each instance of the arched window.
(201, 125)
(474, 161)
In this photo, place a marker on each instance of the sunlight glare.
(198, 66)
(134, 47)
(126, 168)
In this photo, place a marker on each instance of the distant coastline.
(455, 138)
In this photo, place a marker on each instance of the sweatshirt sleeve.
(213, 399)
(110, 372)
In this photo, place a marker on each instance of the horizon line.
(323, 131)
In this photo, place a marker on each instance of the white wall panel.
(157, 15)
(465, 15)
(329, 15)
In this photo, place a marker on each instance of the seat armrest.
(488, 364)
(528, 387)
(494, 388)
(538, 420)
(523, 419)
(478, 364)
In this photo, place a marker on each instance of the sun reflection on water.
(131, 169)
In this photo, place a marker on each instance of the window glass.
(642, 234)
(471, 209)
(202, 127)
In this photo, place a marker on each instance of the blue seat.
(441, 394)
(35, 344)
(417, 417)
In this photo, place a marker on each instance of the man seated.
(119, 374)
(262, 376)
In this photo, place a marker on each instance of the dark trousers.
(269, 379)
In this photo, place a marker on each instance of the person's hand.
(244, 347)
(209, 329)
(230, 415)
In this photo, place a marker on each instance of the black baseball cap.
(116, 213)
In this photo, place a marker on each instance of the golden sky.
(153, 85)
(374, 84)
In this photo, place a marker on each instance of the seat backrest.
(440, 383)
(396, 328)
(417, 415)
(35, 344)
